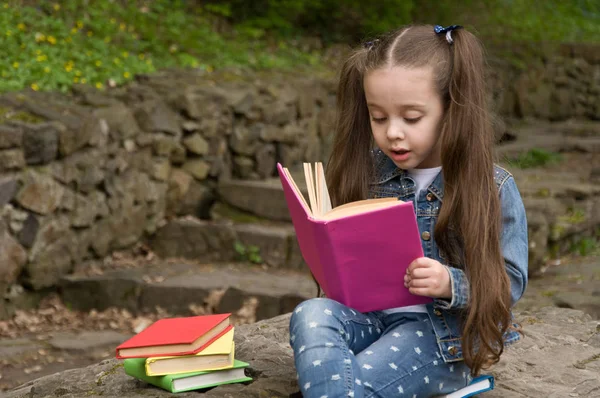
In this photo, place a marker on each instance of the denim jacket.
(445, 314)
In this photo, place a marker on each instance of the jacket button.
(426, 235)
(452, 350)
(437, 312)
(430, 197)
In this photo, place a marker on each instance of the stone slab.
(87, 340)
(175, 287)
(16, 347)
(264, 198)
(528, 369)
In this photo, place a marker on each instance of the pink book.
(357, 252)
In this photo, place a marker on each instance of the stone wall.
(90, 172)
(560, 86)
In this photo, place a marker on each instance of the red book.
(175, 336)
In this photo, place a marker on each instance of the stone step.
(570, 136)
(263, 198)
(180, 287)
(270, 243)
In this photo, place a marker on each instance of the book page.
(298, 191)
(324, 192)
(345, 211)
(310, 186)
(315, 183)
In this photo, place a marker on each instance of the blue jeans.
(340, 352)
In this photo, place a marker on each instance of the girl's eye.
(378, 119)
(412, 120)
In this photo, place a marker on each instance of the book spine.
(136, 367)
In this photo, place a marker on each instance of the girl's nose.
(395, 131)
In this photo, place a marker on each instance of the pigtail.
(473, 213)
(350, 166)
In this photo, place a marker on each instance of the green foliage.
(249, 253)
(330, 20)
(58, 44)
(574, 216)
(499, 21)
(535, 158)
(52, 45)
(506, 21)
(585, 246)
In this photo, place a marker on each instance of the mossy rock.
(8, 114)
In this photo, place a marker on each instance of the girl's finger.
(420, 291)
(420, 273)
(419, 283)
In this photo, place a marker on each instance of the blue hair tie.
(369, 45)
(447, 30)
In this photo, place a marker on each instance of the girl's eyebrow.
(417, 106)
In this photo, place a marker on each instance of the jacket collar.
(386, 169)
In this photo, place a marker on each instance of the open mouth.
(400, 155)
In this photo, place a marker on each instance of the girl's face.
(406, 112)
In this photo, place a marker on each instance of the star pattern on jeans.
(369, 327)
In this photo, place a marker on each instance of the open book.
(358, 252)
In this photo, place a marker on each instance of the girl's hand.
(428, 277)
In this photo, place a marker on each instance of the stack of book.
(184, 354)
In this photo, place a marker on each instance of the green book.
(136, 367)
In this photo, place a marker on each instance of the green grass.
(52, 45)
(58, 44)
(535, 158)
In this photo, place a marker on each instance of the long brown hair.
(469, 224)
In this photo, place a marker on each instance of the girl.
(419, 94)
